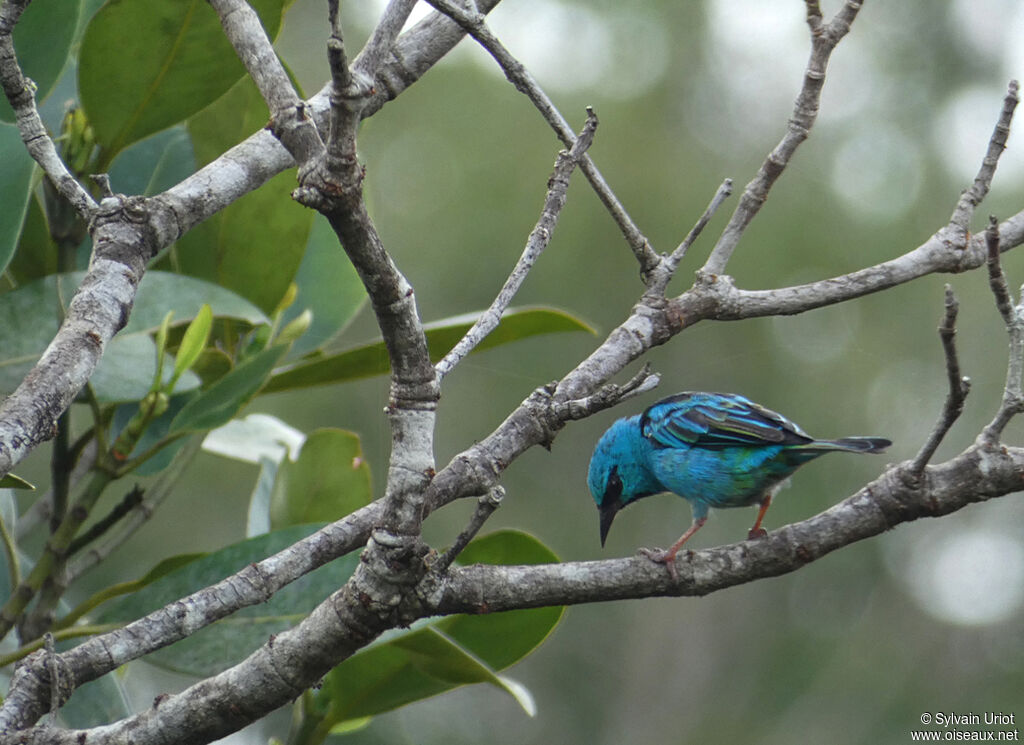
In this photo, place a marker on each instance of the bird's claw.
(757, 533)
(661, 556)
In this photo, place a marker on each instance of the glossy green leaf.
(408, 666)
(154, 164)
(225, 398)
(255, 245)
(502, 639)
(194, 340)
(327, 481)
(372, 359)
(15, 189)
(146, 65)
(42, 40)
(36, 254)
(328, 286)
(228, 641)
(128, 367)
(28, 321)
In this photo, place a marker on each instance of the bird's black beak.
(608, 511)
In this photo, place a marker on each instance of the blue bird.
(713, 449)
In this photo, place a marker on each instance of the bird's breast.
(725, 477)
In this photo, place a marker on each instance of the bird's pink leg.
(757, 531)
(668, 557)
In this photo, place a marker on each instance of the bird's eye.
(613, 489)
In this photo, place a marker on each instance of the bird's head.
(618, 474)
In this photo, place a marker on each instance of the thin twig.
(972, 197)
(485, 507)
(128, 503)
(1013, 400)
(663, 274)
(374, 53)
(341, 75)
(520, 77)
(723, 193)
(824, 39)
(996, 277)
(959, 387)
(154, 496)
(608, 395)
(289, 120)
(349, 92)
(20, 92)
(540, 236)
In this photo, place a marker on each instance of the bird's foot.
(757, 533)
(661, 556)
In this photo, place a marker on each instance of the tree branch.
(381, 41)
(1013, 400)
(958, 388)
(124, 237)
(289, 120)
(333, 186)
(130, 231)
(666, 269)
(26, 700)
(974, 196)
(296, 658)
(824, 38)
(880, 506)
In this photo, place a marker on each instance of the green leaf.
(255, 245)
(412, 665)
(36, 254)
(146, 65)
(127, 369)
(42, 40)
(11, 481)
(416, 665)
(327, 481)
(154, 164)
(228, 641)
(372, 359)
(219, 403)
(192, 344)
(28, 321)
(15, 189)
(502, 639)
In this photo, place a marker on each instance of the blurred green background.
(851, 649)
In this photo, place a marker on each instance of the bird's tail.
(852, 444)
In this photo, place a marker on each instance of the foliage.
(256, 299)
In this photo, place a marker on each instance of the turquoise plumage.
(713, 449)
